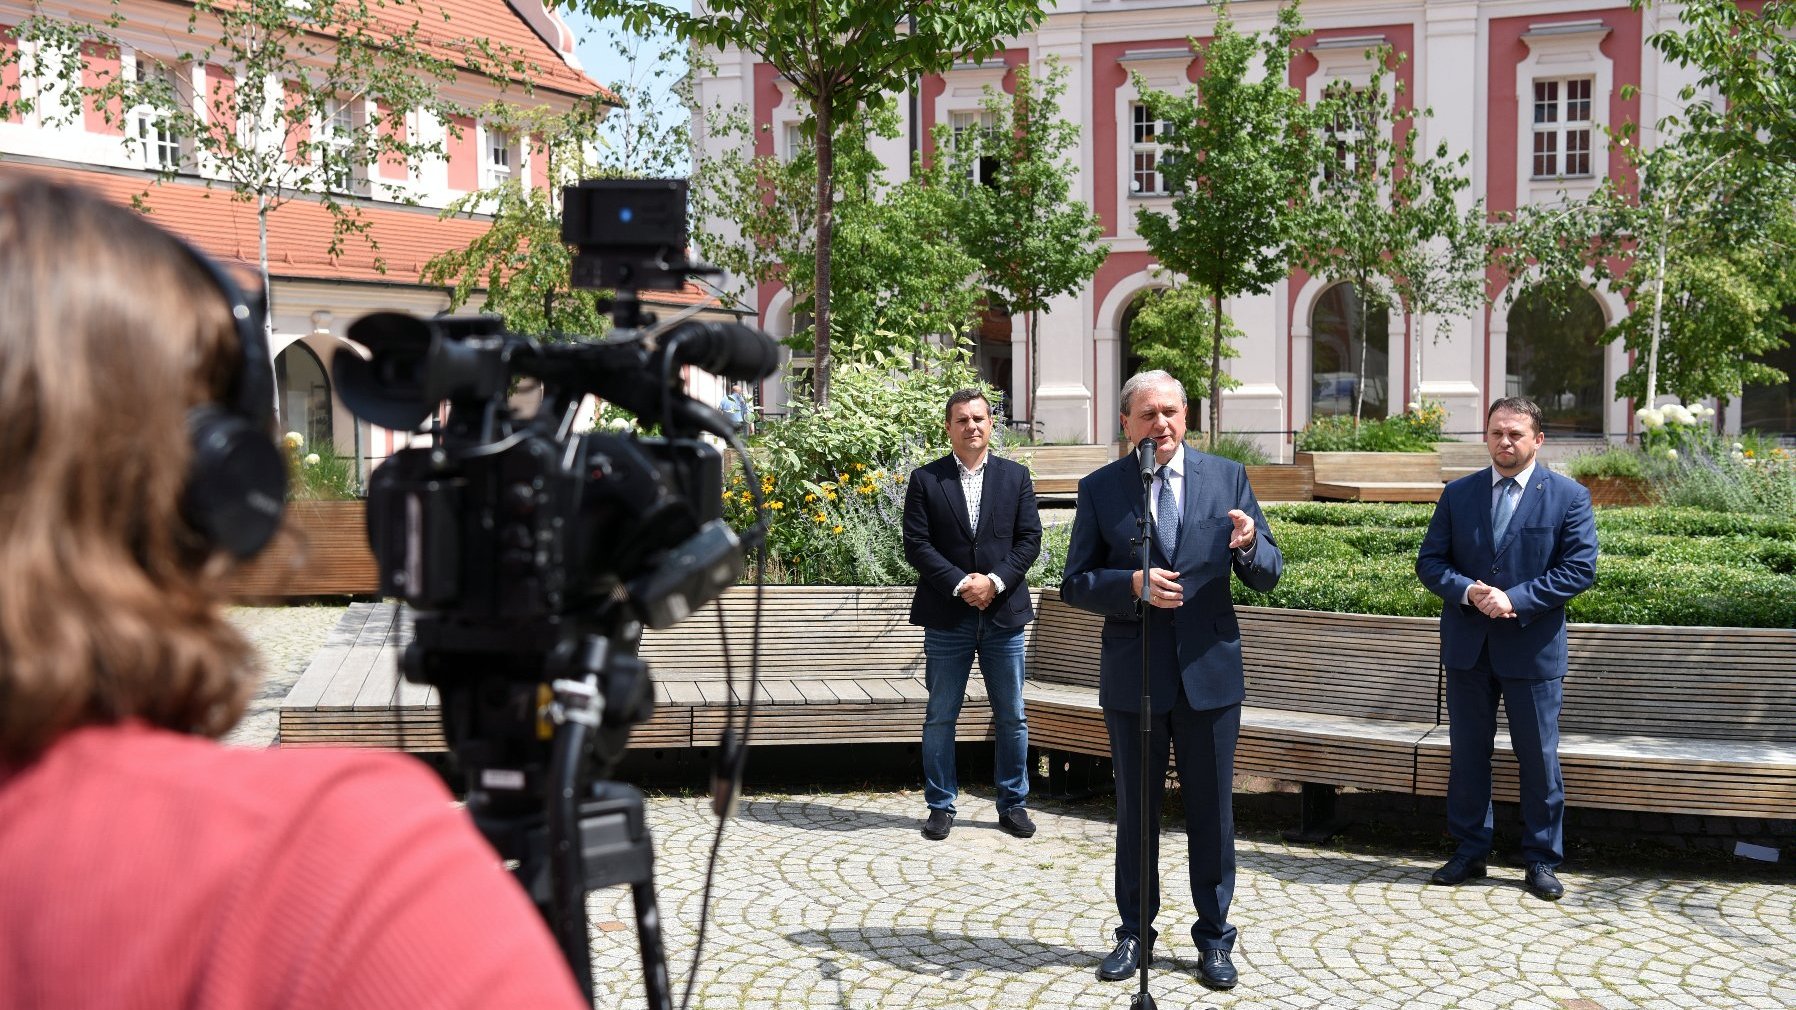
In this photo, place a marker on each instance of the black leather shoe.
(938, 825)
(1016, 821)
(1216, 971)
(1458, 870)
(1543, 884)
(1123, 962)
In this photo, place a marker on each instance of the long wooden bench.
(838, 665)
(1057, 469)
(1461, 459)
(1674, 720)
(1375, 476)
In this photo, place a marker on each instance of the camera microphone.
(730, 350)
(1144, 458)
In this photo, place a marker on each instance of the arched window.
(993, 357)
(305, 395)
(1555, 357)
(1337, 347)
(1772, 408)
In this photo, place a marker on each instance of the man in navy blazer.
(1507, 548)
(971, 531)
(1194, 650)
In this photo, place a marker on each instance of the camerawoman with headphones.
(141, 863)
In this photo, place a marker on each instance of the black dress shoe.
(938, 825)
(1016, 821)
(1458, 870)
(1543, 884)
(1216, 971)
(1123, 962)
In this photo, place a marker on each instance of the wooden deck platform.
(839, 665)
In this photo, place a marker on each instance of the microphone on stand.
(1144, 459)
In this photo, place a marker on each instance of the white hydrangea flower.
(1678, 413)
(293, 440)
(311, 459)
(1651, 418)
(1671, 454)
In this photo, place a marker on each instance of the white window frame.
(1161, 69)
(153, 141)
(1562, 50)
(501, 157)
(985, 123)
(1346, 61)
(1557, 127)
(965, 88)
(335, 128)
(1149, 181)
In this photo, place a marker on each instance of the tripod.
(565, 833)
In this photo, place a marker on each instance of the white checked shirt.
(972, 488)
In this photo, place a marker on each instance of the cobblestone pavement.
(285, 639)
(835, 901)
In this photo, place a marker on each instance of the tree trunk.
(826, 225)
(1652, 352)
(1032, 351)
(1215, 365)
(1365, 344)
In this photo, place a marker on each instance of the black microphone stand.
(1144, 454)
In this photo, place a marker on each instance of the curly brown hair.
(110, 605)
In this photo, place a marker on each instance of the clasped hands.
(1490, 601)
(978, 590)
(1163, 589)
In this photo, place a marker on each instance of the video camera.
(532, 556)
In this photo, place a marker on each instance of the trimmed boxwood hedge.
(1655, 565)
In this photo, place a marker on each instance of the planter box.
(1375, 476)
(1461, 459)
(1618, 490)
(322, 552)
(1281, 482)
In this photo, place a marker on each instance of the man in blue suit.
(1205, 523)
(1507, 548)
(971, 530)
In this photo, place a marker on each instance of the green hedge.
(1655, 565)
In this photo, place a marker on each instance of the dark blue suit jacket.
(942, 548)
(1198, 645)
(1547, 557)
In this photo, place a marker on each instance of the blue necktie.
(1499, 523)
(1166, 520)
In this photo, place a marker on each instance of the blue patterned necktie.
(1166, 519)
(1499, 523)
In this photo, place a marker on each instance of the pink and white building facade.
(1526, 87)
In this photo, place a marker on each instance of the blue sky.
(596, 47)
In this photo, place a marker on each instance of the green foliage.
(1033, 241)
(318, 474)
(1340, 434)
(1656, 565)
(1233, 445)
(1236, 161)
(1173, 331)
(1748, 58)
(841, 59)
(1614, 461)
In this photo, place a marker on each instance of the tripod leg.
(648, 938)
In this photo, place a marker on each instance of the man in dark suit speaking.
(971, 531)
(1205, 523)
(1507, 548)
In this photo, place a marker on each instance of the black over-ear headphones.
(237, 479)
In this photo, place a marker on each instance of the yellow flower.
(831, 495)
(842, 477)
(838, 529)
(820, 517)
(859, 466)
(810, 497)
(776, 505)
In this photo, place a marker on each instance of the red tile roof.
(449, 24)
(299, 231)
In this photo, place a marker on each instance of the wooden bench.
(839, 665)
(1671, 720)
(1282, 482)
(1461, 459)
(1305, 718)
(1057, 469)
(1375, 476)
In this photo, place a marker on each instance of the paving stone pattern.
(285, 639)
(835, 901)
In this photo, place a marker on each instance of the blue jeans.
(949, 661)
